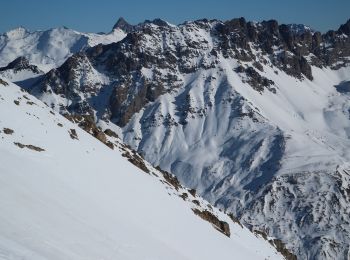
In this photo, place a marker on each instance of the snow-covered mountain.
(255, 116)
(49, 49)
(21, 72)
(65, 195)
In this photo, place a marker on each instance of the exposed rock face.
(87, 123)
(4, 83)
(8, 131)
(211, 218)
(345, 28)
(215, 103)
(255, 80)
(289, 48)
(123, 25)
(21, 63)
(148, 62)
(29, 146)
(73, 134)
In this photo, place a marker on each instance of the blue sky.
(100, 15)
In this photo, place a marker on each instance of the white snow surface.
(50, 48)
(311, 117)
(79, 199)
(22, 75)
(280, 161)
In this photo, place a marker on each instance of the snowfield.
(66, 198)
(50, 48)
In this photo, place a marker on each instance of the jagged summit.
(345, 28)
(158, 22)
(299, 28)
(123, 25)
(20, 62)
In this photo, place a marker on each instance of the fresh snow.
(50, 48)
(79, 199)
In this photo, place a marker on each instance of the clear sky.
(100, 15)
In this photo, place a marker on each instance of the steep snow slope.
(65, 195)
(260, 156)
(312, 118)
(49, 49)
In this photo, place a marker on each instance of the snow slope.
(278, 161)
(50, 48)
(79, 199)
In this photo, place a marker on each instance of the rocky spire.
(123, 25)
(345, 28)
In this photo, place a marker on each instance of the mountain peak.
(17, 32)
(345, 28)
(158, 22)
(123, 25)
(20, 61)
(299, 28)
